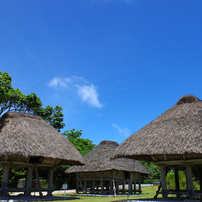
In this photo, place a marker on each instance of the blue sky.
(113, 65)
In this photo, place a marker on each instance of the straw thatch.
(175, 135)
(25, 136)
(98, 159)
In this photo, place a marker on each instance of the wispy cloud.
(125, 131)
(29, 53)
(86, 91)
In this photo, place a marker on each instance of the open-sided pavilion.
(101, 175)
(27, 141)
(173, 141)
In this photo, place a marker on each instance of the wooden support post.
(5, 180)
(163, 182)
(85, 183)
(190, 186)
(130, 184)
(134, 186)
(140, 190)
(117, 187)
(200, 178)
(77, 184)
(177, 185)
(111, 186)
(29, 181)
(124, 186)
(93, 186)
(38, 181)
(50, 181)
(102, 185)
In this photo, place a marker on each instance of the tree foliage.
(14, 100)
(170, 180)
(81, 144)
(154, 170)
(53, 116)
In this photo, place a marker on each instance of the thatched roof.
(176, 134)
(27, 135)
(98, 159)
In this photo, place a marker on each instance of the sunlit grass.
(147, 192)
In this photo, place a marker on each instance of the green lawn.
(147, 192)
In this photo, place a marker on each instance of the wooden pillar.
(177, 185)
(200, 178)
(77, 184)
(107, 185)
(117, 187)
(85, 183)
(38, 181)
(124, 186)
(102, 185)
(190, 186)
(93, 186)
(5, 180)
(50, 181)
(29, 181)
(130, 184)
(163, 182)
(111, 186)
(134, 186)
(140, 190)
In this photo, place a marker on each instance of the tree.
(53, 116)
(81, 144)
(154, 170)
(14, 100)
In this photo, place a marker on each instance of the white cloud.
(89, 94)
(57, 82)
(125, 131)
(86, 91)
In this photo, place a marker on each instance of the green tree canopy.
(14, 100)
(81, 144)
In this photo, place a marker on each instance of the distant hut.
(27, 141)
(100, 175)
(172, 140)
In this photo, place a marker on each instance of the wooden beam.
(180, 162)
(154, 158)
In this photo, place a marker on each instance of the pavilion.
(101, 175)
(173, 141)
(27, 141)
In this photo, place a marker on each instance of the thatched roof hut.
(98, 159)
(98, 163)
(174, 135)
(26, 136)
(172, 140)
(30, 142)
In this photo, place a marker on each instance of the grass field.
(147, 192)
